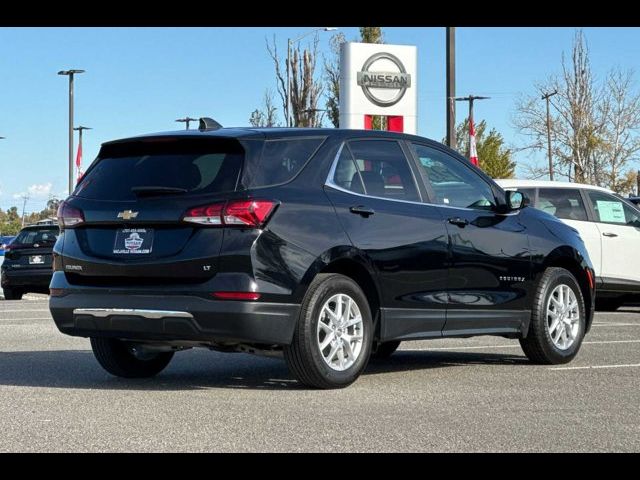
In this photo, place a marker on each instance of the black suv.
(27, 261)
(324, 246)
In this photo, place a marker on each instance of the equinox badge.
(127, 214)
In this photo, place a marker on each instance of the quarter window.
(565, 203)
(376, 167)
(610, 209)
(453, 183)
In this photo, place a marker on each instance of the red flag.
(79, 161)
(473, 152)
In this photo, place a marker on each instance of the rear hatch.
(131, 206)
(32, 248)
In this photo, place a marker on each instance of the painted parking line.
(20, 319)
(594, 367)
(24, 311)
(616, 324)
(480, 347)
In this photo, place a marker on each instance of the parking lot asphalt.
(477, 394)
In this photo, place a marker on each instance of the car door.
(568, 205)
(373, 188)
(490, 268)
(619, 226)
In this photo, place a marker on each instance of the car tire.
(608, 304)
(117, 358)
(12, 294)
(540, 344)
(341, 361)
(384, 350)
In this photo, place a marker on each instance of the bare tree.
(267, 117)
(594, 126)
(332, 76)
(620, 142)
(306, 90)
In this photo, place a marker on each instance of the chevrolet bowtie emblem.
(127, 215)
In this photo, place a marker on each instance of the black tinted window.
(30, 237)
(454, 183)
(564, 203)
(281, 160)
(384, 170)
(195, 167)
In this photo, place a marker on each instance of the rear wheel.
(12, 293)
(332, 340)
(557, 319)
(121, 359)
(384, 350)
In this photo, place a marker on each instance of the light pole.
(187, 120)
(546, 97)
(451, 87)
(70, 74)
(289, 43)
(79, 157)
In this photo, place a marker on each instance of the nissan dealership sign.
(378, 79)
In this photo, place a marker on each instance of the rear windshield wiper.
(157, 190)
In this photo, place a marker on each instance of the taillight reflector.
(236, 295)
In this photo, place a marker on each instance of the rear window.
(281, 160)
(191, 167)
(42, 237)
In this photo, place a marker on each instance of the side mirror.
(516, 200)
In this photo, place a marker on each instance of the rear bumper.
(38, 278)
(173, 317)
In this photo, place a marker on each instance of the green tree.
(494, 158)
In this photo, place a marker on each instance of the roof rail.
(207, 123)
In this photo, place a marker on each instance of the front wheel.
(120, 358)
(557, 320)
(332, 340)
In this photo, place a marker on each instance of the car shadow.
(197, 370)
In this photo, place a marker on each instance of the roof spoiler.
(207, 123)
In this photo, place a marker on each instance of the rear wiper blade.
(157, 190)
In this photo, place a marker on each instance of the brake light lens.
(238, 213)
(236, 295)
(69, 216)
(206, 215)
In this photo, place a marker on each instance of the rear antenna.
(207, 123)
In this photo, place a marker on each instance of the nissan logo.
(398, 81)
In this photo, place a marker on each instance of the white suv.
(609, 225)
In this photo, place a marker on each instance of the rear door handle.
(362, 210)
(609, 234)
(460, 222)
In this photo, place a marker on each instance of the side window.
(281, 160)
(564, 203)
(346, 174)
(453, 183)
(610, 209)
(383, 169)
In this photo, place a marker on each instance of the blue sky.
(140, 80)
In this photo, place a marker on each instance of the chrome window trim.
(330, 183)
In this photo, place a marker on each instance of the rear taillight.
(69, 216)
(238, 213)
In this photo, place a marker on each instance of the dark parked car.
(322, 246)
(634, 200)
(27, 261)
